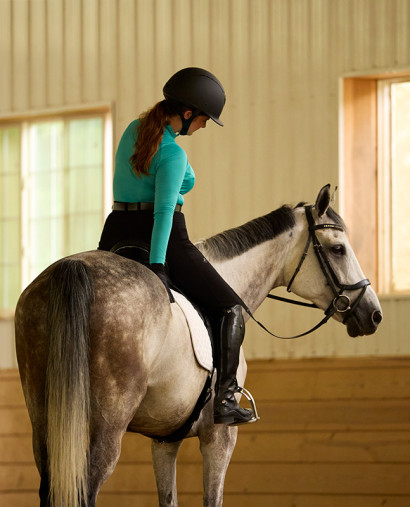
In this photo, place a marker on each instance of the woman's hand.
(159, 270)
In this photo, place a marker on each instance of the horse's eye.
(339, 250)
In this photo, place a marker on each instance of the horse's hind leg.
(105, 451)
(164, 457)
(217, 443)
(104, 457)
(40, 456)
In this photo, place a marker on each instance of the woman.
(151, 174)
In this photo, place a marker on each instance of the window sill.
(6, 315)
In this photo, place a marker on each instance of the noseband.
(341, 303)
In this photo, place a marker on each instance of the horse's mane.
(233, 242)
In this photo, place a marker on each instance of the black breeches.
(187, 267)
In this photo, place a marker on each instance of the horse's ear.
(323, 200)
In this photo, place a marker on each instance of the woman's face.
(199, 122)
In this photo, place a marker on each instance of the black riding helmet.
(198, 89)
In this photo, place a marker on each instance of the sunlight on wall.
(400, 175)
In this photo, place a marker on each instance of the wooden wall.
(333, 433)
(280, 62)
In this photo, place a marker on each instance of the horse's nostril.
(377, 317)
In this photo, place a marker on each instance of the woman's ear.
(187, 114)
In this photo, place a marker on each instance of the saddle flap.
(200, 338)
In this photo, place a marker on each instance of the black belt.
(137, 206)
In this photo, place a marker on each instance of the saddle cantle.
(134, 250)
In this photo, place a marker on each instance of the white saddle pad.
(201, 342)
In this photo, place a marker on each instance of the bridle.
(341, 303)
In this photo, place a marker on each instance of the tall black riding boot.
(231, 334)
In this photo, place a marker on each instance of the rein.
(341, 303)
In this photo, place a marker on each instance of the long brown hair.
(150, 132)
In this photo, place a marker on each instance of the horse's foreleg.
(164, 457)
(217, 445)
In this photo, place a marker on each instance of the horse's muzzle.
(360, 325)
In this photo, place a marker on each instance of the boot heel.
(249, 397)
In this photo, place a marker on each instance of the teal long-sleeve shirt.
(170, 176)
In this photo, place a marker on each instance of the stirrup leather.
(249, 397)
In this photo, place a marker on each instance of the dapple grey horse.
(101, 350)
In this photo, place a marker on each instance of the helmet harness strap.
(186, 123)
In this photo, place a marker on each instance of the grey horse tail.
(68, 383)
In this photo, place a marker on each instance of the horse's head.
(324, 269)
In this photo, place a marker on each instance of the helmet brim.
(217, 121)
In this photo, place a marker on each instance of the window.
(10, 228)
(394, 184)
(52, 193)
(376, 177)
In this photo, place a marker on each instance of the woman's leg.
(121, 226)
(191, 271)
(203, 284)
(231, 335)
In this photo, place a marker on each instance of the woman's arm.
(168, 181)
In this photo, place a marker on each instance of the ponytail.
(150, 132)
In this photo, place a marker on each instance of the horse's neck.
(255, 273)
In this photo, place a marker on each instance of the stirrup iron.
(249, 397)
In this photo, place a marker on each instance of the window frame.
(363, 175)
(23, 120)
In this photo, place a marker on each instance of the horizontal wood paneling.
(263, 500)
(14, 421)
(242, 500)
(326, 478)
(265, 446)
(333, 433)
